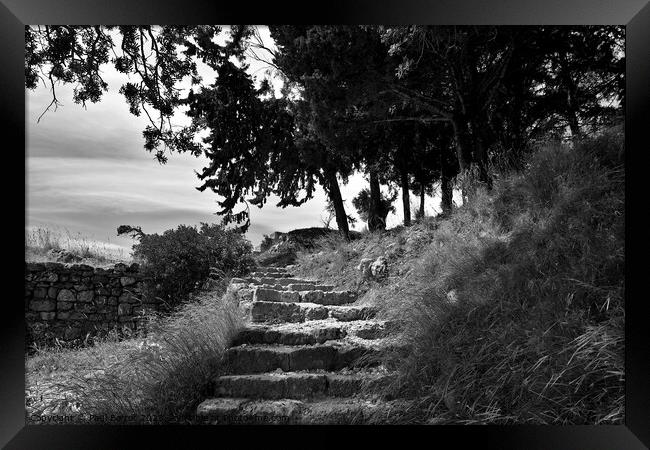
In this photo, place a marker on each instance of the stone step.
(299, 385)
(310, 287)
(270, 275)
(311, 332)
(248, 359)
(287, 281)
(291, 334)
(270, 269)
(301, 312)
(291, 411)
(263, 294)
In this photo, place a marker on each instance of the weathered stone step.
(291, 334)
(291, 411)
(301, 312)
(311, 332)
(291, 358)
(311, 286)
(287, 281)
(271, 269)
(262, 294)
(298, 385)
(270, 275)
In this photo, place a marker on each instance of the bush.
(267, 243)
(180, 260)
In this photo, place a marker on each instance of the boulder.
(379, 268)
(364, 268)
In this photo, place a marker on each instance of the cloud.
(87, 171)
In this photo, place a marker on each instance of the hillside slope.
(514, 305)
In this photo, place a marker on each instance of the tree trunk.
(571, 107)
(422, 193)
(406, 198)
(447, 193)
(482, 162)
(463, 142)
(335, 196)
(574, 125)
(471, 150)
(375, 221)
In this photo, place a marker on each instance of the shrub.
(267, 243)
(362, 204)
(180, 260)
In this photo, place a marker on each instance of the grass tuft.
(159, 379)
(513, 306)
(44, 244)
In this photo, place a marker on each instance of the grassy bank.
(157, 379)
(50, 244)
(513, 305)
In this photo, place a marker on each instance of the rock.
(351, 313)
(42, 305)
(64, 306)
(127, 281)
(271, 385)
(40, 293)
(120, 267)
(52, 278)
(127, 297)
(85, 296)
(364, 268)
(272, 295)
(311, 296)
(219, 407)
(124, 309)
(379, 268)
(452, 297)
(66, 295)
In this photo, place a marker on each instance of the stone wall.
(69, 302)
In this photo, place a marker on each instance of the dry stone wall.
(70, 302)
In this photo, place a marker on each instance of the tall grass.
(159, 379)
(517, 312)
(513, 306)
(41, 241)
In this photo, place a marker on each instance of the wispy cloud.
(87, 171)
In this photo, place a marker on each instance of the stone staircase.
(303, 358)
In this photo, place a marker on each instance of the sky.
(87, 172)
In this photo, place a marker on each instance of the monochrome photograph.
(325, 224)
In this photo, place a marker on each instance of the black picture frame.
(15, 14)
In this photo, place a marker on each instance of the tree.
(352, 94)
(498, 85)
(251, 136)
(362, 203)
(332, 67)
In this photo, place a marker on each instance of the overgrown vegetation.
(159, 379)
(513, 306)
(284, 249)
(45, 244)
(180, 260)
